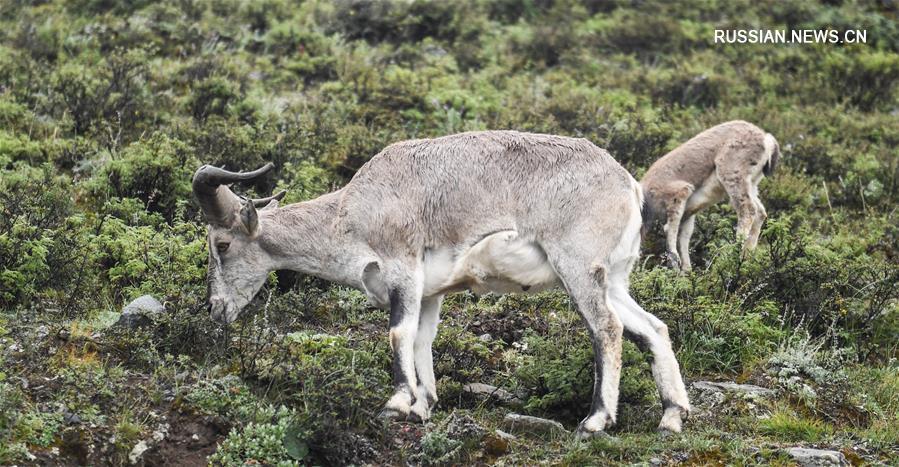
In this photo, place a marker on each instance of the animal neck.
(305, 237)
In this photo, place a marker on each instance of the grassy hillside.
(107, 107)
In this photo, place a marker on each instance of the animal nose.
(216, 306)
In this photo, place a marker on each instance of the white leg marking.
(426, 391)
(686, 231)
(665, 369)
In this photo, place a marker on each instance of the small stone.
(70, 417)
(486, 337)
(733, 387)
(498, 443)
(138, 451)
(486, 391)
(161, 431)
(518, 423)
(806, 457)
(42, 332)
(654, 461)
(140, 312)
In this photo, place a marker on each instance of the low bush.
(273, 443)
(156, 171)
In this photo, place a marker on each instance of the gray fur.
(496, 210)
(728, 159)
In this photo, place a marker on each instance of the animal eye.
(222, 246)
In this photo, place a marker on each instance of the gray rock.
(486, 391)
(138, 451)
(506, 436)
(806, 457)
(141, 447)
(140, 312)
(733, 387)
(463, 428)
(518, 423)
(486, 337)
(70, 418)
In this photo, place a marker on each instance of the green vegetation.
(107, 108)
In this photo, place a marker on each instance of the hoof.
(668, 430)
(417, 415)
(672, 420)
(391, 415)
(673, 261)
(584, 435)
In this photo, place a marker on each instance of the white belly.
(501, 262)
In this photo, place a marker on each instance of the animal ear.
(249, 217)
(266, 202)
(271, 205)
(375, 287)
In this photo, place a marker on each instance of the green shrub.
(212, 96)
(12, 446)
(867, 79)
(36, 239)
(273, 443)
(108, 98)
(156, 171)
(437, 448)
(229, 397)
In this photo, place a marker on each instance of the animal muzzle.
(221, 310)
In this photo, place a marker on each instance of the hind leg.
(746, 205)
(761, 215)
(587, 284)
(651, 334)
(738, 168)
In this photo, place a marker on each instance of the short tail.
(772, 150)
(647, 213)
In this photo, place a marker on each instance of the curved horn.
(218, 202)
(263, 202)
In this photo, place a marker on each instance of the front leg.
(426, 395)
(683, 241)
(674, 212)
(405, 303)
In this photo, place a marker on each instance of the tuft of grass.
(127, 431)
(786, 425)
